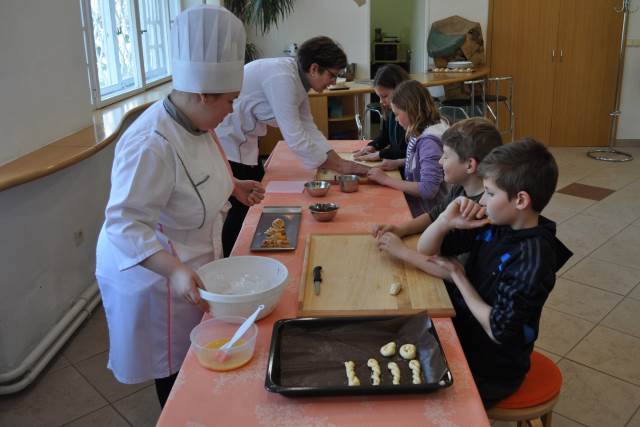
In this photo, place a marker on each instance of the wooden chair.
(535, 398)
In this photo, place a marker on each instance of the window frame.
(91, 61)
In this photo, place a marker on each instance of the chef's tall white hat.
(207, 50)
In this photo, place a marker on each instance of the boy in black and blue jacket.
(514, 255)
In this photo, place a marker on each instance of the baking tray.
(291, 216)
(307, 355)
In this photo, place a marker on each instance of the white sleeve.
(142, 181)
(296, 123)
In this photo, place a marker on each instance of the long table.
(206, 398)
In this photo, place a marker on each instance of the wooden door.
(586, 71)
(523, 36)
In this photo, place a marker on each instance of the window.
(126, 45)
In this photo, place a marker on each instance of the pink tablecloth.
(205, 398)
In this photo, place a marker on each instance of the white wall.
(419, 32)
(43, 270)
(342, 20)
(393, 17)
(44, 90)
(406, 19)
(629, 125)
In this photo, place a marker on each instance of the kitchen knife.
(317, 279)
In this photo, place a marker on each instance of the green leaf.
(264, 14)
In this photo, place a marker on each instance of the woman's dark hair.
(322, 51)
(390, 76)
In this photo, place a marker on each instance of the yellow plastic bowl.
(208, 336)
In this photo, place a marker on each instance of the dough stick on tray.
(351, 373)
(395, 372)
(375, 371)
(415, 370)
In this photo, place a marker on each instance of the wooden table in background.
(352, 100)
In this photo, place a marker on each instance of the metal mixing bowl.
(317, 188)
(323, 211)
(348, 183)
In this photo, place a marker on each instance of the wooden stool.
(535, 398)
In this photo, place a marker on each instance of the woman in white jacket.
(169, 188)
(275, 93)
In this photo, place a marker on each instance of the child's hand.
(445, 267)
(390, 165)
(364, 150)
(464, 213)
(369, 157)
(376, 175)
(472, 210)
(379, 229)
(391, 244)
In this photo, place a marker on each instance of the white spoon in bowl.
(222, 351)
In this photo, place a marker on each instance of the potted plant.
(264, 14)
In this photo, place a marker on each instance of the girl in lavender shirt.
(423, 183)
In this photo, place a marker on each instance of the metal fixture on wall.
(610, 154)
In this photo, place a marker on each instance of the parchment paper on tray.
(307, 355)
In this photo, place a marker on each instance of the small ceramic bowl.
(323, 212)
(348, 183)
(317, 188)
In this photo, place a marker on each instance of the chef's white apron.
(149, 325)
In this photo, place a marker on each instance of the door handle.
(553, 54)
(561, 54)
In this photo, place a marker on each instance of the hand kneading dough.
(408, 351)
(395, 372)
(375, 371)
(388, 349)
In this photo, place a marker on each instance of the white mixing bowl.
(236, 286)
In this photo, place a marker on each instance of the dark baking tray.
(307, 355)
(291, 216)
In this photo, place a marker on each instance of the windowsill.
(80, 145)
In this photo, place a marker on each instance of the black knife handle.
(317, 273)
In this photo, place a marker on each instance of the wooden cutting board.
(329, 175)
(356, 277)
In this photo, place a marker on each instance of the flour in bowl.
(247, 284)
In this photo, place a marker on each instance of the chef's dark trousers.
(238, 211)
(164, 386)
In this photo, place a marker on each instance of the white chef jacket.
(272, 94)
(153, 206)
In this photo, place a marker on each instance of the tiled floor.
(78, 390)
(589, 325)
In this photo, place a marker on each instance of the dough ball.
(395, 288)
(388, 349)
(408, 351)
